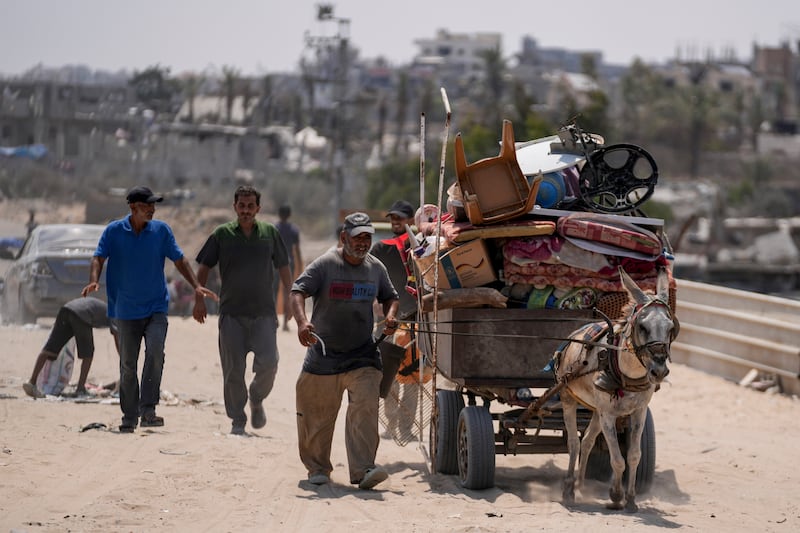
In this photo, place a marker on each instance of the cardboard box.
(464, 266)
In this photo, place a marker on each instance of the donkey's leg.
(609, 424)
(634, 457)
(587, 443)
(570, 408)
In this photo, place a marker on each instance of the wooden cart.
(495, 364)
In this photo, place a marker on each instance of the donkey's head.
(651, 327)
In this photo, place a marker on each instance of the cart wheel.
(647, 465)
(442, 436)
(599, 463)
(476, 448)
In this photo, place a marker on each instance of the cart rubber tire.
(476, 451)
(647, 464)
(443, 431)
(598, 466)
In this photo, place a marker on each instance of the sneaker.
(318, 479)
(237, 430)
(127, 428)
(372, 477)
(32, 390)
(150, 420)
(258, 418)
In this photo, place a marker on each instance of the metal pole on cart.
(435, 329)
(421, 160)
(420, 395)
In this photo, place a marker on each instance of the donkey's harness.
(608, 358)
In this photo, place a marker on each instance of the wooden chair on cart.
(494, 189)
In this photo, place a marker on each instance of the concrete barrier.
(729, 332)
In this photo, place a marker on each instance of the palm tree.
(382, 113)
(247, 95)
(191, 86)
(267, 97)
(402, 107)
(230, 75)
(495, 69)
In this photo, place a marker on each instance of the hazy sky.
(259, 36)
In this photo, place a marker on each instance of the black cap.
(358, 223)
(401, 208)
(142, 194)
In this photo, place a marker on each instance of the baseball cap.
(358, 223)
(142, 194)
(401, 208)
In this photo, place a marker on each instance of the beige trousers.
(318, 399)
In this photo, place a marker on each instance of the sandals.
(32, 390)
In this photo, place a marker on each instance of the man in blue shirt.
(136, 248)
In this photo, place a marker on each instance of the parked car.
(50, 269)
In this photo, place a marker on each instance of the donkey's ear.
(663, 285)
(633, 289)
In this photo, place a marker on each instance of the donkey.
(635, 364)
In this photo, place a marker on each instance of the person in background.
(343, 284)
(337, 233)
(290, 234)
(401, 403)
(393, 253)
(136, 247)
(76, 318)
(31, 224)
(248, 252)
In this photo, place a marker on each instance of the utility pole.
(331, 53)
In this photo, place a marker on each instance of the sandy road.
(725, 462)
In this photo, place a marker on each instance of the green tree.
(480, 141)
(432, 107)
(537, 126)
(155, 89)
(398, 178)
(594, 114)
(640, 89)
(589, 66)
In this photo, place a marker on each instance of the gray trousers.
(238, 336)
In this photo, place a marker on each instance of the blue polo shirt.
(135, 281)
